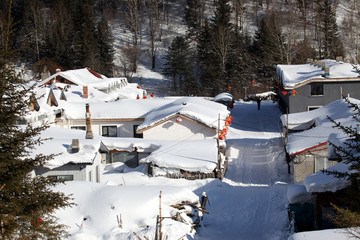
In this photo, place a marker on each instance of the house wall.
(76, 170)
(187, 129)
(332, 92)
(80, 172)
(124, 128)
(310, 162)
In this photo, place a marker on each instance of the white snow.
(196, 108)
(330, 234)
(322, 127)
(321, 182)
(297, 194)
(292, 75)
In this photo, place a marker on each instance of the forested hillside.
(203, 46)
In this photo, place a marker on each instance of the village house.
(305, 87)
(76, 158)
(86, 78)
(307, 136)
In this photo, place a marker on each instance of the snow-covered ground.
(250, 203)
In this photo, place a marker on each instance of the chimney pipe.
(327, 71)
(89, 133)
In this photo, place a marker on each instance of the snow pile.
(297, 194)
(123, 212)
(196, 108)
(321, 182)
(322, 127)
(330, 234)
(292, 75)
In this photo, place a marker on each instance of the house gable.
(34, 105)
(174, 129)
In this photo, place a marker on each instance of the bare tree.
(152, 9)
(133, 23)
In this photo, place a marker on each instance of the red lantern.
(221, 137)
(138, 87)
(178, 120)
(294, 92)
(152, 95)
(144, 97)
(229, 88)
(253, 82)
(284, 92)
(138, 97)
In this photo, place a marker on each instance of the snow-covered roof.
(225, 97)
(121, 109)
(321, 182)
(322, 127)
(297, 193)
(193, 156)
(85, 77)
(61, 144)
(293, 75)
(196, 108)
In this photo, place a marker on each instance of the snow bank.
(321, 182)
(330, 234)
(116, 212)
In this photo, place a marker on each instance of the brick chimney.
(89, 133)
(85, 92)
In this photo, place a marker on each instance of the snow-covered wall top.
(338, 110)
(292, 75)
(196, 108)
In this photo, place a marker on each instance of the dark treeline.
(227, 44)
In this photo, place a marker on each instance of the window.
(129, 158)
(79, 127)
(136, 135)
(62, 177)
(322, 163)
(317, 89)
(109, 131)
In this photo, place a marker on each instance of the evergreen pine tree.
(193, 17)
(214, 48)
(348, 215)
(105, 47)
(178, 63)
(268, 47)
(26, 202)
(87, 53)
(330, 45)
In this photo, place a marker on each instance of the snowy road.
(251, 201)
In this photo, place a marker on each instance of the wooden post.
(160, 219)
(218, 174)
